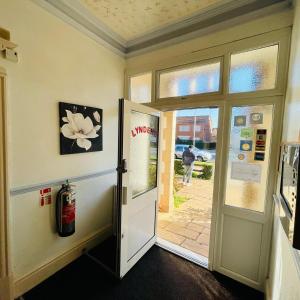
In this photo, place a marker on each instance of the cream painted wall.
(57, 63)
(284, 276)
(291, 130)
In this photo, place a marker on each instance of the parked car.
(201, 155)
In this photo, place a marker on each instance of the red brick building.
(199, 127)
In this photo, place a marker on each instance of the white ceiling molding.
(229, 13)
(174, 38)
(211, 11)
(84, 26)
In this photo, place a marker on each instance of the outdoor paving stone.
(170, 236)
(189, 224)
(163, 223)
(195, 247)
(203, 239)
(204, 250)
(206, 231)
(195, 227)
(182, 231)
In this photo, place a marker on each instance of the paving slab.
(195, 247)
(189, 224)
(171, 237)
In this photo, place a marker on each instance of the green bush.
(195, 174)
(178, 167)
(207, 172)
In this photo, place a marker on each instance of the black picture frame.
(81, 128)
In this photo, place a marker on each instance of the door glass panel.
(140, 88)
(143, 152)
(249, 154)
(253, 70)
(190, 80)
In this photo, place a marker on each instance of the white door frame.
(264, 218)
(6, 282)
(220, 105)
(224, 100)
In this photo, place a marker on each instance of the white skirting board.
(29, 281)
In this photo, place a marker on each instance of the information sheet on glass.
(248, 158)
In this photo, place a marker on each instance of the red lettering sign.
(143, 129)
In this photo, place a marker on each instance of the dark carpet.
(158, 275)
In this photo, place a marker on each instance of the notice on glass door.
(246, 172)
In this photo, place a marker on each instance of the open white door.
(137, 182)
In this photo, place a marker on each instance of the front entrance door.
(249, 162)
(137, 190)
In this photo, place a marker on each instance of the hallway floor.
(158, 275)
(188, 225)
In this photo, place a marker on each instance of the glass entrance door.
(137, 182)
(248, 176)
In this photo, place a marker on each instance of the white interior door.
(138, 164)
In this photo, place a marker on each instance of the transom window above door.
(190, 80)
(243, 69)
(140, 88)
(253, 70)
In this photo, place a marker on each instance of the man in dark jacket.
(188, 158)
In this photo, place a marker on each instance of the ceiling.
(134, 18)
(131, 27)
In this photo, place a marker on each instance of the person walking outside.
(188, 158)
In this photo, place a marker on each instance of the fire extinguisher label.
(68, 213)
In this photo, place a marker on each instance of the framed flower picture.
(80, 128)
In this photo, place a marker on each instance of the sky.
(212, 112)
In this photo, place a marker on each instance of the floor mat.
(158, 275)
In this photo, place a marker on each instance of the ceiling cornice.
(211, 11)
(74, 13)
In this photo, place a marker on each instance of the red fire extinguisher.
(65, 210)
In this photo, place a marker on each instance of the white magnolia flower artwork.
(81, 128)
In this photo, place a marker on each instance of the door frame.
(224, 107)
(220, 105)
(265, 218)
(6, 282)
(224, 99)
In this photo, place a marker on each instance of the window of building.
(140, 88)
(253, 70)
(190, 80)
(184, 128)
(184, 137)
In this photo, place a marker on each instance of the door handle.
(126, 194)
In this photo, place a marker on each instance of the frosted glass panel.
(190, 81)
(143, 152)
(140, 88)
(249, 152)
(253, 70)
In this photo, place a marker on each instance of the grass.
(178, 200)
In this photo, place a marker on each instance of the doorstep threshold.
(182, 252)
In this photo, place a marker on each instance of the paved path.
(189, 225)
